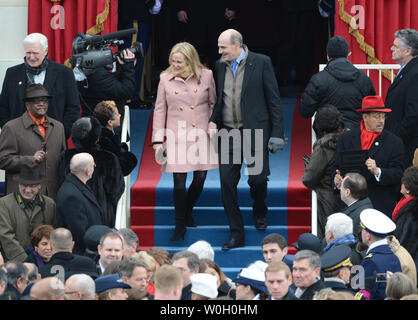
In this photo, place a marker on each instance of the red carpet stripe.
(143, 190)
(298, 196)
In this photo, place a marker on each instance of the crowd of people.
(57, 219)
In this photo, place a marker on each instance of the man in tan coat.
(21, 212)
(34, 140)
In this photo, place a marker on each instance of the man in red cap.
(373, 152)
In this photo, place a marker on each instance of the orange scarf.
(40, 124)
(367, 137)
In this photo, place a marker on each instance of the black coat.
(309, 293)
(64, 105)
(387, 151)
(110, 141)
(107, 183)
(260, 99)
(354, 211)
(71, 264)
(407, 228)
(340, 84)
(402, 98)
(77, 210)
(105, 85)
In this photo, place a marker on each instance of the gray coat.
(20, 139)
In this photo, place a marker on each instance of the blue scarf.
(349, 238)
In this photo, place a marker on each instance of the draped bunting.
(369, 26)
(61, 20)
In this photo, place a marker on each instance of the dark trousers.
(230, 174)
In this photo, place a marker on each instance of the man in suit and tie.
(354, 194)
(382, 152)
(247, 109)
(402, 96)
(57, 79)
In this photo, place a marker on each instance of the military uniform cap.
(376, 222)
(336, 258)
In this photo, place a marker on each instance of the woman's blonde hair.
(194, 66)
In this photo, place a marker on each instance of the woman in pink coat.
(185, 100)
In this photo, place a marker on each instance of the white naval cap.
(376, 222)
(204, 284)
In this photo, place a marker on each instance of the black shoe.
(191, 223)
(261, 224)
(178, 234)
(233, 243)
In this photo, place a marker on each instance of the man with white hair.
(339, 231)
(203, 249)
(57, 79)
(80, 287)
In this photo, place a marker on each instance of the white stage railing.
(367, 68)
(124, 204)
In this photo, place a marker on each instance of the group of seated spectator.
(114, 268)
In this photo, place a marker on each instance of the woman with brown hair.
(42, 251)
(224, 288)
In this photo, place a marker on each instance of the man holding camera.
(105, 85)
(33, 140)
(58, 80)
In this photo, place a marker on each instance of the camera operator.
(103, 84)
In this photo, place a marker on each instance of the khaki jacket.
(15, 228)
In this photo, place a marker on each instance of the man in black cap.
(336, 269)
(340, 84)
(35, 140)
(308, 241)
(21, 212)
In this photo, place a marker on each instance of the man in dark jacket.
(107, 183)
(64, 263)
(339, 84)
(248, 101)
(375, 153)
(77, 208)
(306, 269)
(354, 194)
(57, 79)
(402, 96)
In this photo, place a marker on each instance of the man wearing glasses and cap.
(375, 153)
(379, 257)
(33, 140)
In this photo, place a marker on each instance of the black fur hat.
(85, 132)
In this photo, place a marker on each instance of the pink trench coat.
(181, 117)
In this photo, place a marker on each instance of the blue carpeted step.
(215, 235)
(216, 216)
